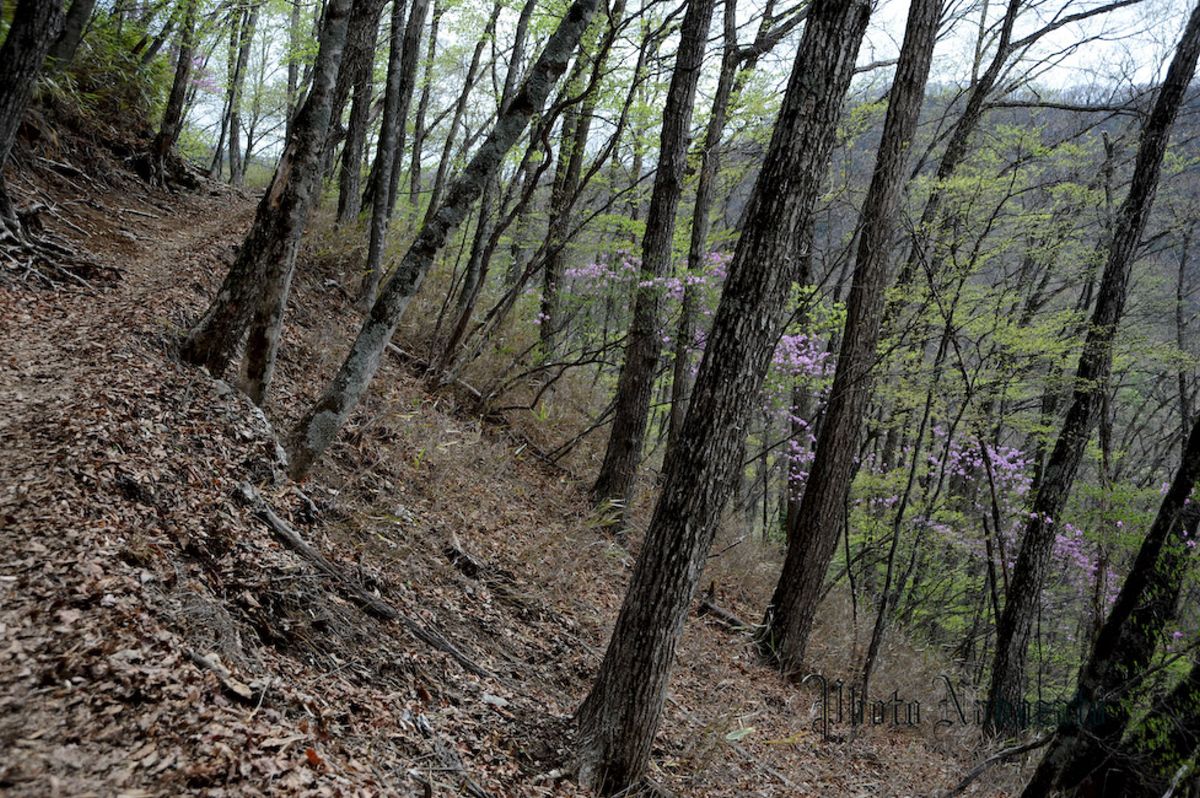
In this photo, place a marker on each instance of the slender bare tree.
(321, 423)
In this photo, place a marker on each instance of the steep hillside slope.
(159, 637)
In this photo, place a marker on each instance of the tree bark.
(245, 37)
(1167, 738)
(408, 84)
(319, 426)
(710, 159)
(260, 276)
(790, 614)
(1012, 635)
(618, 472)
(1098, 713)
(418, 142)
(172, 120)
(736, 64)
(65, 46)
(364, 18)
(618, 719)
(35, 24)
(387, 153)
(402, 68)
(350, 175)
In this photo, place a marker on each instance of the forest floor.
(156, 637)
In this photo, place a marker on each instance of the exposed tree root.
(31, 254)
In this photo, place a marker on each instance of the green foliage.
(107, 81)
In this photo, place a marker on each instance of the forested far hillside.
(599, 397)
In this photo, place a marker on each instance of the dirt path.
(59, 347)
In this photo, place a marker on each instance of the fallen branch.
(979, 769)
(708, 606)
(139, 213)
(371, 604)
(239, 691)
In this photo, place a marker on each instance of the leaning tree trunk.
(1166, 739)
(259, 277)
(1098, 713)
(35, 25)
(319, 426)
(736, 65)
(1012, 635)
(386, 153)
(402, 71)
(615, 482)
(172, 120)
(617, 721)
(811, 544)
(63, 52)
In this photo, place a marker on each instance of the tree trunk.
(63, 52)
(260, 276)
(402, 68)
(1166, 739)
(361, 62)
(1181, 378)
(387, 152)
(293, 68)
(1012, 636)
(245, 37)
(35, 24)
(363, 18)
(172, 120)
(408, 84)
(233, 76)
(710, 159)
(218, 159)
(736, 64)
(562, 198)
(1098, 713)
(319, 426)
(418, 143)
(790, 614)
(617, 721)
(618, 472)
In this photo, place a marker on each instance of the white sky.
(1133, 44)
